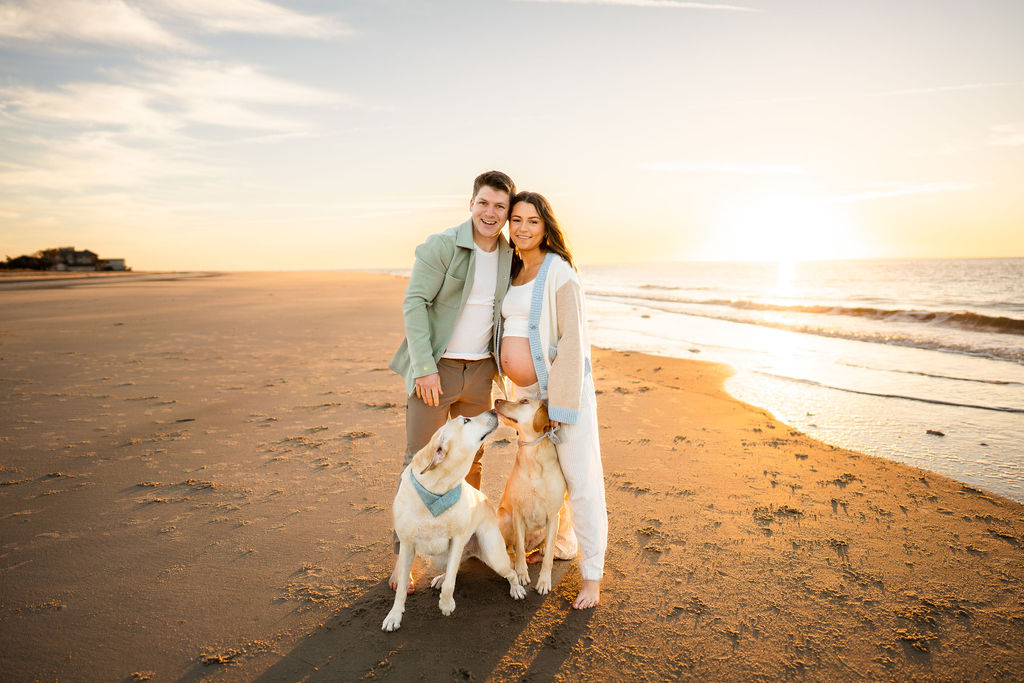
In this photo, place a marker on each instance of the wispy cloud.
(326, 211)
(670, 4)
(236, 95)
(149, 118)
(107, 22)
(946, 88)
(1008, 134)
(87, 105)
(851, 96)
(96, 159)
(150, 125)
(252, 16)
(196, 80)
(144, 24)
(900, 190)
(715, 167)
(166, 96)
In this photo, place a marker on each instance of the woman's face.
(525, 227)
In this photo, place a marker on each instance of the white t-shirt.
(471, 339)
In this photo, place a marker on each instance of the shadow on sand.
(490, 635)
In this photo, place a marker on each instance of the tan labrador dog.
(533, 512)
(436, 513)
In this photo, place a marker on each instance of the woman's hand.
(554, 424)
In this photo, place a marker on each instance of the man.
(452, 309)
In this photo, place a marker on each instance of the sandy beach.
(196, 479)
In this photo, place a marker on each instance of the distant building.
(110, 264)
(24, 263)
(65, 259)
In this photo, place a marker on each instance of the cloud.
(236, 95)
(849, 96)
(106, 22)
(127, 107)
(900, 190)
(252, 16)
(1008, 134)
(670, 4)
(116, 23)
(714, 167)
(95, 159)
(95, 134)
(374, 204)
(946, 88)
(194, 81)
(167, 96)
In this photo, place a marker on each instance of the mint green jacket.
(441, 280)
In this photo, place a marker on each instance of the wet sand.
(196, 478)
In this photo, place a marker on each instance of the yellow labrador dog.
(436, 513)
(532, 512)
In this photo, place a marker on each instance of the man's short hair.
(496, 180)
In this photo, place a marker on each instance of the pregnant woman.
(545, 353)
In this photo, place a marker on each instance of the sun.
(784, 229)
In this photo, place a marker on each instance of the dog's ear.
(439, 453)
(540, 419)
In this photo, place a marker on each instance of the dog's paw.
(523, 574)
(544, 585)
(392, 621)
(517, 592)
(437, 581)
(447, 605)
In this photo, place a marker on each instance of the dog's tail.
(505, 525)
(566, 544)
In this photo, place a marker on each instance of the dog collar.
(434, 502)
(546, 435)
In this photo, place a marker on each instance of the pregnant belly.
(516, 362)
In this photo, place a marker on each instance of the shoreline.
(877, 398)
(916, 455)
(60, 279)
(198, 476)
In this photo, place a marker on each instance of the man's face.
(489, 209)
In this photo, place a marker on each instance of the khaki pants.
(467, 392)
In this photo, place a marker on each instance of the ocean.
(918, 361)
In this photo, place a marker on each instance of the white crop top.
(515, 309)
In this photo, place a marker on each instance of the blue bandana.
(435, 503)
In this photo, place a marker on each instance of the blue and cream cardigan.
(559, 342)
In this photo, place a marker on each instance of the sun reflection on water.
(785, 287)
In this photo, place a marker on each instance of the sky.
(317, 134)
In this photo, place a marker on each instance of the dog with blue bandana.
(443, 519)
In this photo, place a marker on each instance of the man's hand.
(553, 425)
(428, 389)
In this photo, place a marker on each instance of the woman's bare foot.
(393, 582)
(535, 558)
(589, 595)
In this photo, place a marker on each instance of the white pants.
(579, 456)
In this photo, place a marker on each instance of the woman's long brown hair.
(554, 240)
